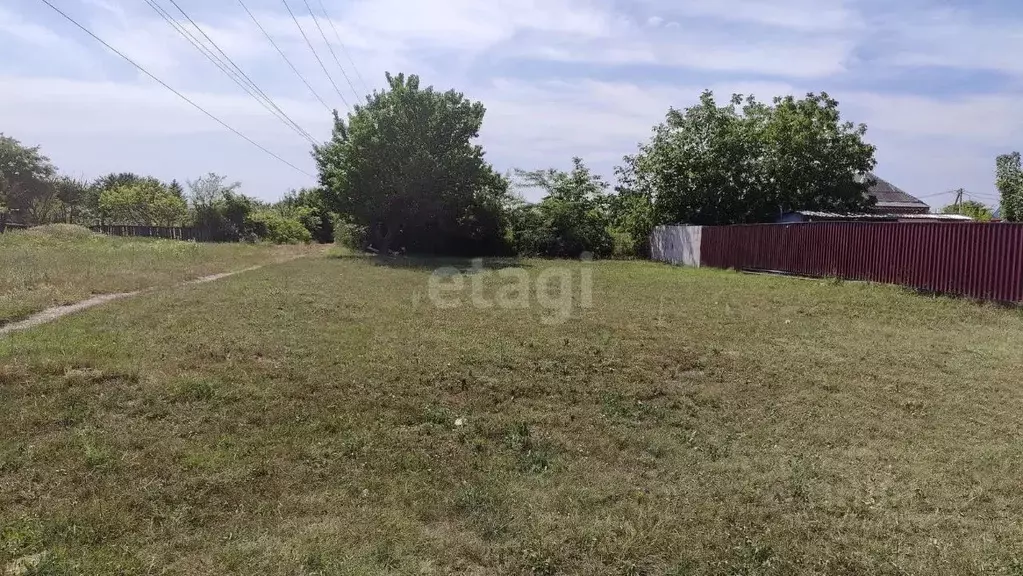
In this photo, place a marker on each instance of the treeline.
(33, 192)
(405, 173)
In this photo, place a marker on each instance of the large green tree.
(26, 188)
(749, 161)
(1009, 180)
(405, 166)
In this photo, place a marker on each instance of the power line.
(167, 86)
(238, 71)
(331, 49)
(281, 52)
(317, 56)
(937, 194)
(219, 63)
(343, 47)
(985, 198)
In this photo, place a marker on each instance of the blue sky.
(937, 82)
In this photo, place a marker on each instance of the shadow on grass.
(464, 265)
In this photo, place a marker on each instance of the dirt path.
(51, 314)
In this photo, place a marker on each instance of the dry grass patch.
(62, 264)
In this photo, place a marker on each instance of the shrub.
(272, 227)
(349, 234)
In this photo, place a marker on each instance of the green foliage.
(631, 215)
(971, 208)
(25, 187)
(122, 179)
(145, 203)
(274, 227)
(571, 219)
(404, 166)
(749, 162)
(218, 208)
(308, 207)
(349, 234)
(1009, 180)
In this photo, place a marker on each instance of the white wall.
(676, 244)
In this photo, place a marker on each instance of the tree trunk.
(383, 235)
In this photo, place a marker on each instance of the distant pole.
(959, 199)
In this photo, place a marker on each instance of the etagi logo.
(552, 288)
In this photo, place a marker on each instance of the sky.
(937, 82)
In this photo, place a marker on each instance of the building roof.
(814, 215)
(889, 195)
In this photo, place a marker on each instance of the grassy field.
(55, 265)
(322, 416)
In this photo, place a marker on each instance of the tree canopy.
(405, 166)
(749, 162)
(404, 170)
(976, 210)
(25, 178)
(145, 203)
(571, 219)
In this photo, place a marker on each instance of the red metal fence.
(979, 260)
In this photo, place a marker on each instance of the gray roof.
(888, 194)
(838, 216)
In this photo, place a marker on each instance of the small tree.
(73, 195)
(218, 208)
(1009, 180)
(308, 207)
(971, 208)
(144, 203)
(571, 219)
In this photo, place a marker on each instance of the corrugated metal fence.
(979, 260)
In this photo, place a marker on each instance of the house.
(891, 199)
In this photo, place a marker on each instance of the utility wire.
(167, 86)
(331, 49)
(281, 52)
(238, 71)
(317, 56)
(343, 47)
(225, 68)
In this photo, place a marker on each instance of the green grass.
(61, 264)
(301, 419)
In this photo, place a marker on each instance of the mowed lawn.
(322, 416)
(61, 264)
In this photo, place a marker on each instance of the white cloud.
(800, 15)
(955, 38)
(505, 52)
(17, 27)
(59, 106)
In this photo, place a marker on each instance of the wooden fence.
(169, 232)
